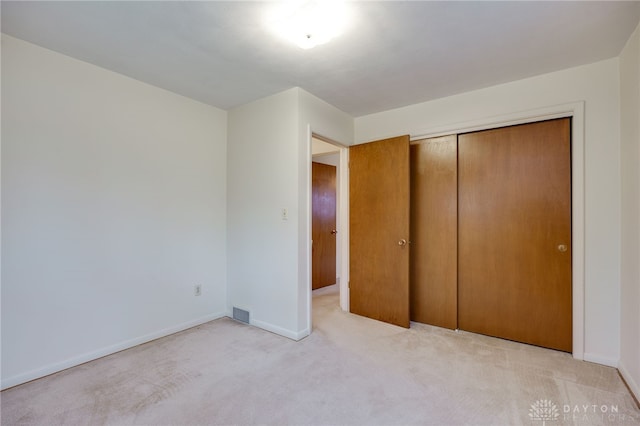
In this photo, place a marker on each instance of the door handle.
(334, 232)
(562, 248)
(402, 242)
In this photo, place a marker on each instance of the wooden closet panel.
(514, 244)
(434, 223)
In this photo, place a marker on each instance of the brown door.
(514, 235)
(323, 225)
(434, 232)
(379, 230)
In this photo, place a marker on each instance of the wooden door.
(514, 235)
(434, 232)
(379, 230)
(323, 225)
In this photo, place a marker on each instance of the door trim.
(575, 110)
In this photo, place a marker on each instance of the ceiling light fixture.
(308, 23)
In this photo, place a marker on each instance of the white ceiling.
(394, 53)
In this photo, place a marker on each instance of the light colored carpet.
(350, 371)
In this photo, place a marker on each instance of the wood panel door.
(434, 232)
(379, 230)
(323, 225)
(514, 235)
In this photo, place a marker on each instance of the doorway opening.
(329, 265)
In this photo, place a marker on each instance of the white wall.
(630, 253)
(330, 159)
(262, 164)
(113, 208)
(598, 86)
(269, 163)
(319, 147)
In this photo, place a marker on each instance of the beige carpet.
(350, 371)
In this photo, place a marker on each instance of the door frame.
(342, 221)
(575, 110)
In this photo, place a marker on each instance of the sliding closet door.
(514, 234)
(434, 230)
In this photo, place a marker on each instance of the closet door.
(434, 232)
(379, 230)
(514, 233)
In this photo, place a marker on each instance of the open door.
(379, 230)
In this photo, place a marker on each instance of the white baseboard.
(599, 359)
(302, 334)
(90, 356)
(631, 382)
(280, 331)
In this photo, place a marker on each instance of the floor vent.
(241, 315)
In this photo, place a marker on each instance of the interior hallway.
(351, 370)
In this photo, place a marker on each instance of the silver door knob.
(562, 248)
(402, 242)
(334, 232)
